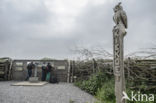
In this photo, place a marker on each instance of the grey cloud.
(19, 29)
(95, 24)
(38, 16)
(15, 22)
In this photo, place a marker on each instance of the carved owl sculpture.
(120, 16)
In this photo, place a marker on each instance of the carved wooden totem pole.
(119, 32)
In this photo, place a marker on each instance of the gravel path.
(49, 93)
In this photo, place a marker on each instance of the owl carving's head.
(118, 7)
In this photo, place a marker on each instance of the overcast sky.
(33, 29)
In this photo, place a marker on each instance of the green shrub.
(101, 85)
(106, 93)
(94, 83)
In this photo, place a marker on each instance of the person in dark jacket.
(29, 68)
(43, 72)
(53, 76)
(48, 71)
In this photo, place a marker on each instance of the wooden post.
(35, 72)
(119, 68)
(93, 66)
(68, 72)
(119, 32)
(128, 68)
(72, 70)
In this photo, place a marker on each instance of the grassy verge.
(101, 85)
